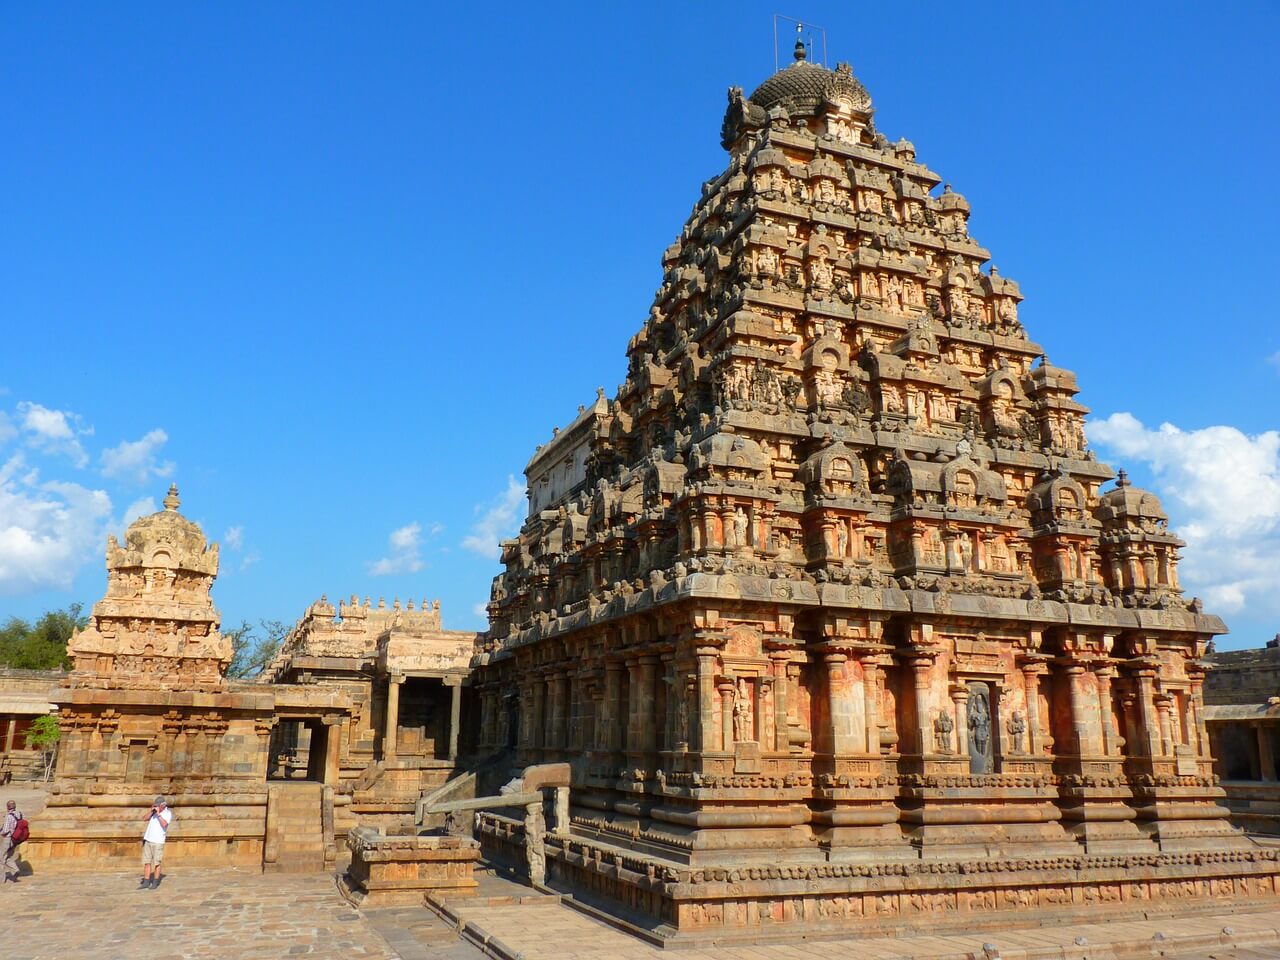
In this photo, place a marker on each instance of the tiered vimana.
(827, 607)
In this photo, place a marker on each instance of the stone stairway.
(295, 840)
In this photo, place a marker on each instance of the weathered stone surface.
(395, 870)
(831, 584)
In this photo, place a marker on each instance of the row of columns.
(392, 719)
(644, 705)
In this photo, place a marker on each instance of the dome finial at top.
(1122, 478)
(799, 53)
(171, 502)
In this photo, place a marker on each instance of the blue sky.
(336, 269)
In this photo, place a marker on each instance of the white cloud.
(143, 506)
(405, 555)
(499, 520)
(481, 610)
(233, 539)
(47, 530)
(1274, 360)
(54, 431)
(135, 460)
(7, 430)
(1221, 488)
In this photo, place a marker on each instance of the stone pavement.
(550, 931)
(215, 914)
(204, 915)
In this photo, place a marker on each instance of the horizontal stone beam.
(484, 803)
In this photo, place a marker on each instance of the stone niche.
(401, 870)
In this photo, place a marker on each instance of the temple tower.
(832, 581)
(157, 623)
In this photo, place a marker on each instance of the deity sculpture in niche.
(741, 712)
(739, 528)
(980, 759)
(942, 727)
(1017, 727)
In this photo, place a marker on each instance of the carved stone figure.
(979, 720)
(1017, 727)
(943, 725)
(740, 528)
(741, 712)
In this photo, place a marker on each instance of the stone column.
(535, 832)
(920, 667)
(332, 750)
(538, 730)
(1163, 707)
(705, 738)
(8, 736)
(1197, 708)
(839, 706)
(645, 704)
(668, 692)
(646, 716)
(612, 700)
(781, 733)
(726, 688)
(871, 703)
(960, 714)
(561, 810)
(455, 718)
(393, 716)
(1079, 713)
(573, 729)
(1266, 759)
(557, 711)
(1031, 678)
(1147, 723)
(486, 719)
(1104, 675)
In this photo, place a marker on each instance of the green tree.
(42, 645)
(253, 647)
(44, 735)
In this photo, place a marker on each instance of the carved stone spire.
(171, 502)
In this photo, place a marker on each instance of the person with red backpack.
(13, 832)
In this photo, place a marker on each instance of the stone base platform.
(389, 871)
(102, 829)
(674, 905)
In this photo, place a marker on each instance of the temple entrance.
(420, 719)
(297, 751)
(424, 719)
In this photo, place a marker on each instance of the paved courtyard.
(209, 915)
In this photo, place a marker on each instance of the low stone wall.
(401, 870)
(103, 829)
(759, 902)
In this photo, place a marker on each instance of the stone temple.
(828, 608)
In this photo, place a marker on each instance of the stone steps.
(295, 829)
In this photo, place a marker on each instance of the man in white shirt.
(159, 817)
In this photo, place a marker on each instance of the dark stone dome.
(803, 87)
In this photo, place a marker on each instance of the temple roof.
(803, 87)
